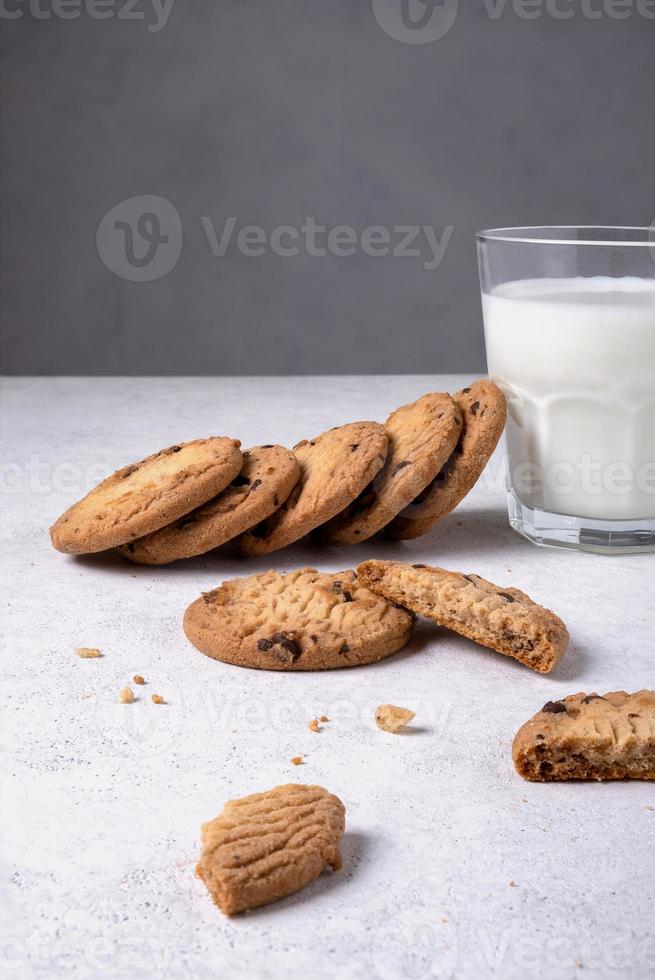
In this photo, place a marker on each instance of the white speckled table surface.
(453, 865)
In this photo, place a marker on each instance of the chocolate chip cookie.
(484, 412)
(305, 620)
(335, 468)
(145, 496)
(503, 619)
(268, 845)
(267, 477)
(422, 436)
(589, 736)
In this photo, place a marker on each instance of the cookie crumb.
(138, 679)
(513, 884)
(390, 718)
(313, 725)
(297, 760)
(88, 653)
(156, 699)
(649, 807)
(126, 696)
(324, 718)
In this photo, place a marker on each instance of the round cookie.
(144, 496)
(305, 620)
(422, 435)
(484, 412)
(268, 476)
(335, 468)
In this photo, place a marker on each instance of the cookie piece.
(505, 620)
(305, 620)
(269, 845)
(589, 736)
(390, 718)
(144, 496)
(335, 468)
(484, 412)
(422, 436)
(268, 475)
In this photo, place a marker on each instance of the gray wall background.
(274, 111)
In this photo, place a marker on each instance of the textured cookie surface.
(422, 436)
(305, 620)
(147, 495)
(588, 736)
(505, 620)
(335, 468)
(268, 845)
(267, 477)
(484, 412)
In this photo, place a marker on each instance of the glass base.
(580, 533)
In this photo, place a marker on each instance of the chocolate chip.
(506, 595)
(419, 566)
(554, 707)
(634, 714)
(354, 446)
(314, 638)
(312, 442)
(347, 596)
(129, 470)
(279, 637)
(399, 466)
(465, 391)
(291, 647)
(336, 586)
(344, 648)
(269, 445)
(357, 531)
(241, 481)
(474, 407)
(256, 484)
(264, 644)
(175, 449)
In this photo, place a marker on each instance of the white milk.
(576, 360)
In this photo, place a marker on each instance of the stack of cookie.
(343, 486)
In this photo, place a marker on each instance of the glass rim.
(599, 235)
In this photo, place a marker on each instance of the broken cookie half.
(589, 736)
(269, 845)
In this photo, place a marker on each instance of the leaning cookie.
(484, 412)
(335, 468)
(145, 496)
(586, 736)
(502, 619)
(268, 845)
(422, 436)
(305, 620)
(268, 476)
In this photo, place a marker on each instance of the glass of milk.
(569, 323)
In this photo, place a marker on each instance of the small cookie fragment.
(138, 679)
(502, 619)
(391, 718)
(126, 695)
(297, 760)
(304, 620)
(88, 653)
(157, 699)
(313, 725)
(324, 718)
(589, 736)
(269, 845)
